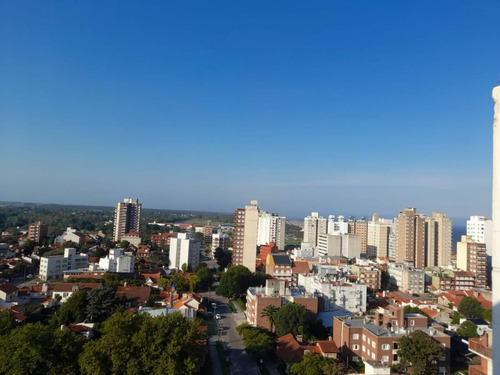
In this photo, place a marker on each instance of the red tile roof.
(289, 349)
(137, 294)
(327, 346)
(7, 287)
(300, 267)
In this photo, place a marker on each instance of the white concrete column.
(496, 229)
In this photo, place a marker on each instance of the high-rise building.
(208, 232)
(360, 227)
(127, 217)
(37, 231)
(438, 239)
(314, 225)
(337, 227)
(246, 223)
(410, 238)
(471, 256)
(184, 250)
(271, 228)
(378, 237)
(479, 228)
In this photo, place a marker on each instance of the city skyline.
(338, 108)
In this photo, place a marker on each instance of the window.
(354, 358)
(373, 344)
(386, 347)
(355, 347)
(412, 322)
(373, 356)
(355, 336)
(385, 359)
(364, 337)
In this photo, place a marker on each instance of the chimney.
(300, 338)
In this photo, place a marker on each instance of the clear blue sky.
(344, 107)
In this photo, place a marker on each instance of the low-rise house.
(8, 293)
(85, 330)
(279, 266)
(162, 239)
(62, 291)
(70, 235)
(133, 238)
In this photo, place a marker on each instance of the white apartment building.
(480, 229)
(117, 261)
(351, 297)
(184, 250)
(53, 267)
(220, 240)
(271, 228)
(337, 227)
(314, 225)
(69, 235)
(407, 278)
(347, 245)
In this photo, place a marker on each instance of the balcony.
(476, 346)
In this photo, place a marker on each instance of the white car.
(218, 316)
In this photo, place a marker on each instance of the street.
(241, 362)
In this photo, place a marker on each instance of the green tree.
(7, 322)
(163, 282)
(223, 257)
(135, 344)
(290, 318)
(487, 315)
(159, 259)
(184, 267)
(270, 312)
(312, 364)
(234, 282)
(73, 309)
(257, 342)
(470, 308)
(384, 280)
(110, 280)
(194, 281)
(468, 329)
(206, 278)
(124, 244)
(39, 349)
(420, 352)
(180, 282)
(101, 304)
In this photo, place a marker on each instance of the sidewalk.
(216, 367)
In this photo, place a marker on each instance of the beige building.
(314, 225)
(471, 256)
(246, 222)
(410, 238)
(37, 231)
(378, 237)
(438, 230)
(127, 218)
(360, 228)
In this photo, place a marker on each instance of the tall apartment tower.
(246, 223)
(378, 237)
(480, 229)
(314, 225)
(438, 240)
(37, 231)
(360, 228)
(410, 238)
(127, 217)
(271, 228)
(471, 256)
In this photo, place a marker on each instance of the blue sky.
(346, 107)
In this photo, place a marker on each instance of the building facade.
(471, 256)
(184, 250)
(37, 231)
(246, 222)
(127, 217)
(314, 225)
(53, 267)
(480, 229)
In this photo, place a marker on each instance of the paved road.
(241, 362)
